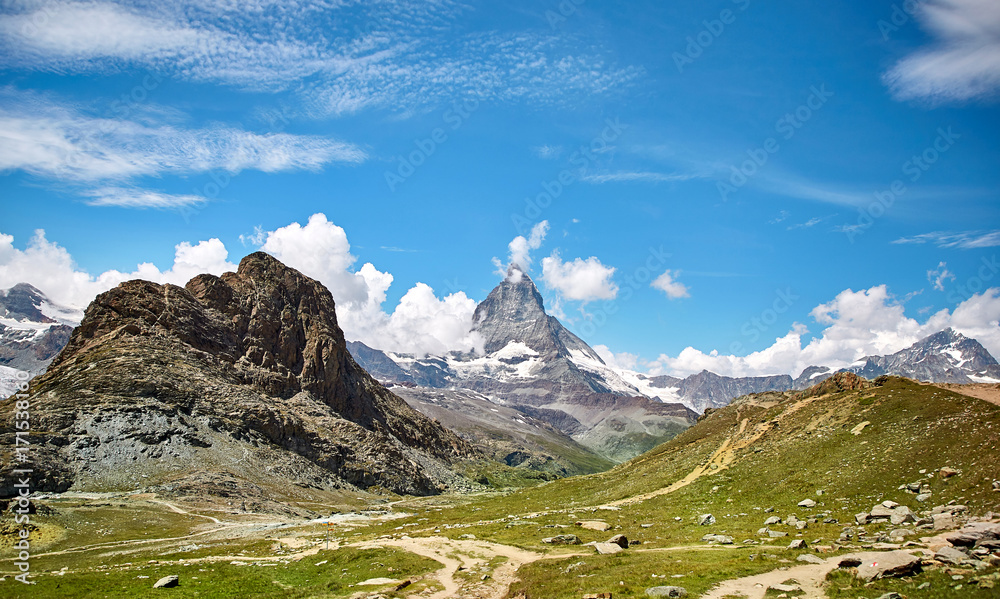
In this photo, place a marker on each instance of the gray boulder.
(950, 555)
(666, 592)
(562, 540)
(167, 582)
(719, 539)
(772, 521)
(797, 544)
(882, 564)
(619, 540)
(809, 559)
(706, 520)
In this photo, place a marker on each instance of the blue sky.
(802, 183)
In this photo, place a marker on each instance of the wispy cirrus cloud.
(964, 61)
(338, 57)
(639, 177)
(48, 139)
(964, 240)
(124, 197)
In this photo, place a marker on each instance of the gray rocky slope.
(245, 375)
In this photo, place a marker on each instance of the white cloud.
(939, 275)
(965, 240)
(339, 57)
(964, 61)
(638, 177)
(421, 323)
(520, 247)
(579, 280)
(620, 361)
(857, 324)
(50, 267)
(140, 198)
(50, 140)
(667, 284)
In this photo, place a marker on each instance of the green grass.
(221, 580)
(697, 572)
(843, 585)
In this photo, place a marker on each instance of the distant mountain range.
(535, 366)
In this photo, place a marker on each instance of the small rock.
(666, 592)
(809, 559)
(720, 539)
(923, 497)
(807, 503)
(947, 472)
(891, 595)
(562, 540)
(594, 525)
(619, 540)
(167, 582)
(890, 504)
(797, 544)
(772, 521)
(945, 522)
(706, 520)
(607, 548)
(950, 555)
(861, 518)
(774, 534)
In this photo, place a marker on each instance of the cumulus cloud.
(421, 323)
(50, 267)
(964, 61)
(520, 247)
(579, 280)
(856, 324)
(668, 284)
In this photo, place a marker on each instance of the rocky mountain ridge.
(246, 374)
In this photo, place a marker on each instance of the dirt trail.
(177, 510)
(467, 555)
(809, 578)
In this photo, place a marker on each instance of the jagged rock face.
(514, 311)
(231, 372)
